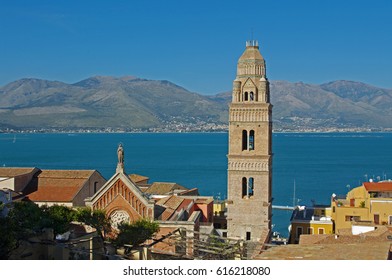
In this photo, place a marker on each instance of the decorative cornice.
(248, 166)
(249, 115)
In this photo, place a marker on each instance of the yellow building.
(220, 212)
(310, 220)
(371, 202)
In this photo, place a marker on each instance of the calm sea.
(319, 164)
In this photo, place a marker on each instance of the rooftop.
(159, 188)
(56, 185)
(355, 251)
(383, 186)
(15, 171)
(373, 245)
(136, 178)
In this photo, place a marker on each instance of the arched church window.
(251, 140)
(244, 140)
(246, 96)
(251, 96)
(244, 187)
(250, 186)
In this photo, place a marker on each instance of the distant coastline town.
(201, 127)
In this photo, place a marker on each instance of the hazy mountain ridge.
(99, 102)
(131, 103)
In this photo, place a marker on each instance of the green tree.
(136, 233)
(57, 217)
(27, 219)
(8, 241)
(94, 218)
(23, 221)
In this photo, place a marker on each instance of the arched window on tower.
(251, 140)
(251, 96)
(244, 140)
(246, 96)
(244, 187)
(250, 186)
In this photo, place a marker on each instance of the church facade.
(250, 150)
(178, 211)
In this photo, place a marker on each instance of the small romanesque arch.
(244, 140)
(244, 187)
(251, 140)
(251, 186)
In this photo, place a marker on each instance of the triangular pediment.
(120, 186)
(124, 179)
(249, 83)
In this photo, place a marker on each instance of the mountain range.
(131, 103)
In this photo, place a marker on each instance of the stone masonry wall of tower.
(250, 150)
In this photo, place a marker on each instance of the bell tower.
(250, 150)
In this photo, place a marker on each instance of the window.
(320, 231)
(246, 96)
(95, 187)
(352, 218)
(248, 235)
(251, 96)
(244, 187)
(251, 140)
(250, 186)
(390, 220)
(244, 140)
(299, 232)
(376, 219)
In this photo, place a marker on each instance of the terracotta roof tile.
(306, 239)
(163, 200)
(160, 188)
(136, 178)
(380, 186)
(56, 185)
(52, 194)
(167, 214)
(356, 251)
(194, 191)
(14, 171)
(68, 174)
(173, 202)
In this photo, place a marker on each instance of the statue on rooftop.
(120, 154)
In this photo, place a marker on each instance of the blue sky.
(196, 44)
